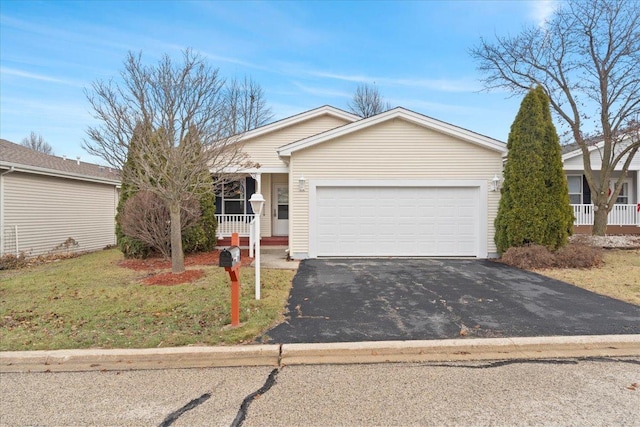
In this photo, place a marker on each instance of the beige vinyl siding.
(263, 149)
(391, 150)
(49, 210)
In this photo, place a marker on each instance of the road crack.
(501, 363)
(172, 417)
(244, 407)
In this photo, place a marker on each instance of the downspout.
(11, 169)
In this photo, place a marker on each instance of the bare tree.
(180, 122)
(586, 58)
(367, 101)
(246, 105)
(37, 142)
(145, 217)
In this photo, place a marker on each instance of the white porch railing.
(234, 223)
(619, 215)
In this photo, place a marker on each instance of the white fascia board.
(298, 118)
(402, 113)
(578, 151)
(58, 174)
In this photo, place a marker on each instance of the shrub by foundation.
(533, 257)
(579, 256)
(528, 257)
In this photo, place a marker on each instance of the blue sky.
(303, 54)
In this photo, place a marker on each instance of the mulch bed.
(168, 278)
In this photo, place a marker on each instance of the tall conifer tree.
(534, 207)
(559, 214)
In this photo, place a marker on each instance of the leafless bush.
(579, 256)
(13, 262)
(146, 217)
(532, 257)
(529, 257)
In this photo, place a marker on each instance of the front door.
(280, 210)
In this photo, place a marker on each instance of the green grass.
(90, 302)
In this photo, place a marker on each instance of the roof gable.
(573, 150)
(25, 159)
(401, 113)
(298, 118)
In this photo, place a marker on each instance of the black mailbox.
(230, 257)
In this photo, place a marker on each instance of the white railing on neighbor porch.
(234, 223)
(619, 215)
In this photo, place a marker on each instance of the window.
(623, 197)
(575, 189)
(232, 195)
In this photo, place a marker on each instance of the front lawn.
(618, 278)
(91, 302)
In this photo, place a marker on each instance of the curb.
(132, 359)
(314, 354)
(462, 350)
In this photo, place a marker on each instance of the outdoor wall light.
(495, 183)
(301, 182)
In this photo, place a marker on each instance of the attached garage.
(373, 218)
(395, 184)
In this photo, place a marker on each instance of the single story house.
(395, 184)
(53, 204)
(624, 218)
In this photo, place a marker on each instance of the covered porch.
(624, 217)
(234, 213)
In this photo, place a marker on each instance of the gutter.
(11, 169)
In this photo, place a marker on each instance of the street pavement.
(350, 300)
(572, 392)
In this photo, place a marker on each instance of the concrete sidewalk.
(276, 257)
(278, 355)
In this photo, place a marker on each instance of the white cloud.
(317, 91)
(442, 85)
(543, 9)
(34, 76)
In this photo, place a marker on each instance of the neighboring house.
(395, 184)
(625, 215)
(51, 204)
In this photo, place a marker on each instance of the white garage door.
(397, 221)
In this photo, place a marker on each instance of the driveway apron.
(343, 300)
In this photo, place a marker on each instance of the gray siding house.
(52, 204)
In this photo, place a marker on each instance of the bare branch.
(367, 101)
(586, 58)
(171, 121)
(246, 105)
(36, 142)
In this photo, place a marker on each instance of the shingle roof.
(25, 158)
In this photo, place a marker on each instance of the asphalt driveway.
(341, 300)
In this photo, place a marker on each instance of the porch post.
(638, 198)
(638, 187)
(258, 177)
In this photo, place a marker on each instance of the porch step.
(265, 241)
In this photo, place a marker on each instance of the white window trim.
(243, 199)
(581, 187)
(627, 194)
